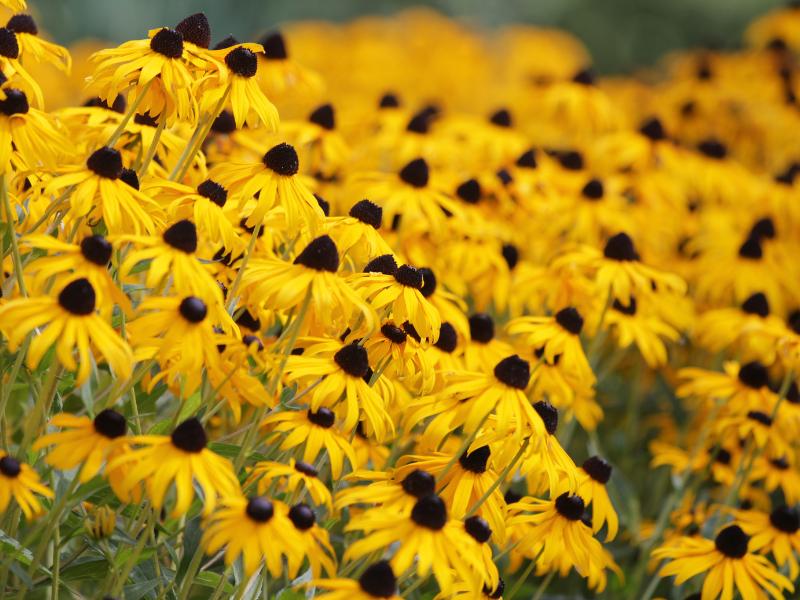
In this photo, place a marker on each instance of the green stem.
(199, 135)
(463, 448)
(15, 255)
(238, 279)
(6, 387)
(543, 586)
(191, 571)
(42, 406)
(128, 115)
(134, 557)
(521, 581)
(151, 151)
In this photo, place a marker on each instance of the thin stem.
(463, 448)
(42, 406)
(134, 557)
(521, 581)
(199, 135)
(151, 151)
(238, 279)
(15, 255)
(543, 586)
(191, 571)
(129, 114)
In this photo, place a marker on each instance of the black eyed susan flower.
(275, 183)
(101, 193)
(84, 441)
(775, 533)
(158, 69)
(317, 547)
(173, 256)
(28, 136)
(295, 476)
(180, 458)
(377, 581)
(343, 388)
(249, 105)
(358, 235)
(20, 482)
(258, 529)
(399, 293)
(315, 431)
(554, 532)
(727, 563)
(279, 74)
(484, 349)
(280, 285)
(32, 45)
(592, 479)
(181, 334)
(389, 490)
(89, 258)
(321, 145)
(558, 335)
(744, 387)
(439, 544)
(69, 322)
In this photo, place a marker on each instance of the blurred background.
(620, 34)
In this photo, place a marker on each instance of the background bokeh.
(621, 34)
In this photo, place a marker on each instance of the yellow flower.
(20, 482)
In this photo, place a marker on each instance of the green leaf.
(226, 450)
(94, 568)
(211, 579)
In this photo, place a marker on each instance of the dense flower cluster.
(398, 309)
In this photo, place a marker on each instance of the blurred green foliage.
(621, 34)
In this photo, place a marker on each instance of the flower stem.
(129, 114)
(15, 255)
(500, 479)
(151, 151)
(521, 581)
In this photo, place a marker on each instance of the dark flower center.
(352, 359)
(757, 304)
(785, 519)
(260, 509)
(780, 463)
(193, 309)
(625, 310)
(22, 23)
(476, 460)
(527, 159)
(504, 176)
(110, 423)
(9, 46)
(213, 191)
(721, 456)
(378, 580)
(419, 483)
(620, 247)
(305, 468)
(469, 191)
(9, 466)
(448, 339)
(412, 331)
(282, 159)
(324, 417)
(242, 62)
(302, 516)
(96, 249)
(384, 263)
(78, 297)
(321, 255)
(393, 333)
(145, 119)
(584, 77)
(118, 105)
(274, 46)
(324, 117)
(653, 129)
(323, 204)
(753, 375)
(248, 321)
(570, 160)
(190, 436)
(409, 276)
(415, 173)
(182, 236)
(367, 212)
(501, 118)
(713, 148)
(226, 42)
(420, 122)
(763, 229)
(570, 506)
(196, 30)
(598, 469)
(570, 319)
(15, 103)
(593, 190)
(389, 100)
(513, 372)
(510, 255)
(760, 417)
(478, 528)
(247, 340)
(481, 328)
(548, 414)
(430, 512)
(511, 497)
(751, 248)
(167, 42)
(129, 178)
(224, 123)
(106, 162)
(497, 592)
(428, 282)
(793, 321)
(732, 542)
